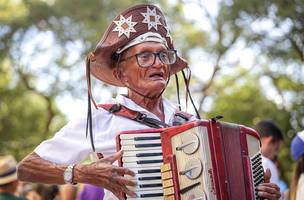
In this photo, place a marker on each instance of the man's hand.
(269, 190)
(104, 174)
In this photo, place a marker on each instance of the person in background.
(48, 192)
(26, 190)
(296, 190)
(67, 192)
(91, 192)
(271, 142)
(8, 178)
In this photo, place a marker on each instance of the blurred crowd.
(13, 189)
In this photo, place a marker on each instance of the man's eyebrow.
(147, 49)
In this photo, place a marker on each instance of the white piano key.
(131, 142)
(134, 159)
(132, 136)
(133, 148)
(147, 192)
(138, 189)
(145, 170)
(133, 153)
(137, 176)
(135, 165)
(157, 181)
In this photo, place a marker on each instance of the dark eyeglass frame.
(158, 54)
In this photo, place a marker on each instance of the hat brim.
(8, 179)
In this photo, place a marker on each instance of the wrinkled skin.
(101, 173)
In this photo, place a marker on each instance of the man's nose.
(158, 62)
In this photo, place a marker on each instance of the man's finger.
(125, 181)
(128, 191)
(123, 171)
(114, 157)
(267, 176)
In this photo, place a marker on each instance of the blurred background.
(246, 58)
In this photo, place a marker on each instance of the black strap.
(177, 92)
(187, 88)
(89, 116)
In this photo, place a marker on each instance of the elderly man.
(135, 52)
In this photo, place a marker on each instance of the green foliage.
(22, 116)
(244, 103)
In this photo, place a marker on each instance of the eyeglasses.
(147, 59)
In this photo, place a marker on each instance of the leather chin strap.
(89, 125)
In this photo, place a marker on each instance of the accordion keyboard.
(142, 153)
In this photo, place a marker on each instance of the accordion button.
(192, 169)
(189, 143)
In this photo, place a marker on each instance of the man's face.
(147, 81)
(270, 147)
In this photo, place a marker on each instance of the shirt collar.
(169, 108)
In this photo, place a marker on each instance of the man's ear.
(117, 73)
(269, 139)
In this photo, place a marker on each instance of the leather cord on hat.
(89, 125)
(177, 92)
(187, 81)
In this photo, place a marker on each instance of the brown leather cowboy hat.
(126, 30)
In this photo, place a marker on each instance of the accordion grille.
(257, 172)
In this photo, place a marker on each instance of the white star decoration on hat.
(125, 26)
(151, 18)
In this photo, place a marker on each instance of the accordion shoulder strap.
(123, 111)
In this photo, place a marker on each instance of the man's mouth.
(157, 75)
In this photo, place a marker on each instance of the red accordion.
(208, 160)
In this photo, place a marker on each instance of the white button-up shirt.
(70, 144)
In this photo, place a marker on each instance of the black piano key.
(150, 185)
(148, 154)
(149, 161)
(149, 178)
(151, 195)
(147, 145)
(147, 138)
(147, 171)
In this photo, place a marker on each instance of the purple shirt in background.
(91, 192)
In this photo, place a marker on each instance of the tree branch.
(50, 113)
